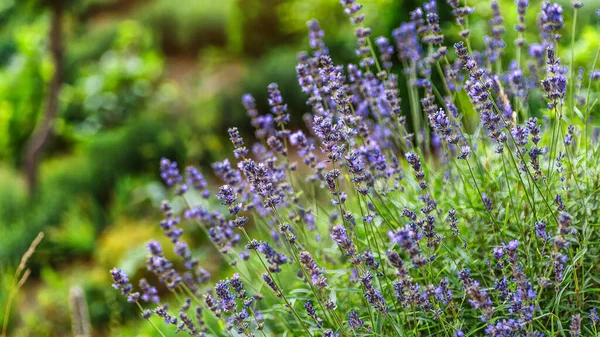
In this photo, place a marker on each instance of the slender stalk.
(19, 279)
(150, 321)
(287, 303)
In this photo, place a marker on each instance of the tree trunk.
(43, 130)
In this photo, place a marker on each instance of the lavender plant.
(475, 213)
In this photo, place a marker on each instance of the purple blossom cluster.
(488, 228)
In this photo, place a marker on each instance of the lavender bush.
(468, 206)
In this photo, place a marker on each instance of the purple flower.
(520, 134)
(487, 202)
(163, 313)
(452, 221)
(249, 105)
(575, 328)
(133, 297)
(520, 26)
(534, 130)
(443, 293)
(334, 85)
(540, 231)
(154, 248)
(149, 293)
(181, 249)
(263, 181)
(550, 22)
(593, 316)
(312, 313)
(559, 261)
(363, 51)
(329, 333)
(169, 226)
(407, 42)
(498, 253)
(316, 34)
(202, 275)
(468, 62)
(569, 135)
(238, 286)
(226, 195)
(415, 162)
(331, 137)
(370, 260)
(431, 32)
(212, 304)
(305, 146)
(197, 181)
(460, 15)
(263, 125)
(478, 297)
(407, 238)
(354, 321)
(227, 300)
(229, 175)
(504, 327)
(340, 236)
(555, 84)
(277, 106)
(494, 44)
(441, 124)
(121, 281)
(465, 152)
(372, 294)
(305, 79)
(269, 281)
(564, 222)
(240, 151)
(274, 258)
(187, 323)
(169, 172)
(276, 145)
(386, 51)
(316, 274)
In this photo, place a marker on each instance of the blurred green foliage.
(22, 81)
(105, 93)
(189, 25)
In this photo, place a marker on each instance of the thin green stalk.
(279, 289)
(150, 321)
(572, 67)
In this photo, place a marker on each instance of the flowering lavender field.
(435, 191)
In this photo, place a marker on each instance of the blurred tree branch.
(42, 132)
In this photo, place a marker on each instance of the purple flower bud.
(317, 277)
(373, 295)
(269, 281)
(277, 106)
(120, 281)
(169, 172)
(354, 321)
(312, 313)
(575, 328)
(340, 236)
(316, 34)
(593, 316)
(550, 22)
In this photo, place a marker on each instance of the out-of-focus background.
(94, 92)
